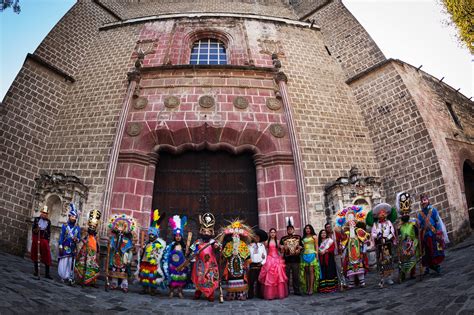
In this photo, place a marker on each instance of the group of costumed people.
(244, 262)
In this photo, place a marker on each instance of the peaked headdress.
(289, 222)
(403, 203)
(207, 222)
(94, 219)
(155, 223)
(178, 224)
(72, 210)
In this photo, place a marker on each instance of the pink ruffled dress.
(272, 275)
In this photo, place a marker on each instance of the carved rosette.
(140, 103)
(207, 101)
(241, 102)
(277, 130)
(134, 129)
(273, 103)
(171, 101)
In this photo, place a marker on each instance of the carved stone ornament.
(241, 102)
(277, 130)
(171, 101)
(140, 103)
(273, 103)
(134, 129)
(207, 101)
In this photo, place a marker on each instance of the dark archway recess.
(195, 182)
(468, 175)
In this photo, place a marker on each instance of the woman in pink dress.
(272, 276)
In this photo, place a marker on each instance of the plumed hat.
(238, 227)
(348, 214)
(178, 224)
(72, 210)
(289, 222)
(373, 215)
(155, 223)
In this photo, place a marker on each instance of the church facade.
(261, 109)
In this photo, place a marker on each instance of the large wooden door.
(193, 183)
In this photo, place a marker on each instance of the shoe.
(437, 269)
(125, 290)
(390, 281)
(427, 271)
(180, 295)
(48, 277)
(171, 294)
(211, 298)
(197, 295)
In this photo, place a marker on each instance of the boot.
(47, 276)
(36, 269)
(197, 295)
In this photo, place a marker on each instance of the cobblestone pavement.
(450, 293)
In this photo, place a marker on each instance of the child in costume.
(150, 272)
(384, 237)
(236, 256)
(273, 276)
(408, 238)
(205, 274)
(40, 251)
(309, 265)
(87, 262)
(175, 255)
(120, 250)
(68, 239)
(329, 278)
(354, 244)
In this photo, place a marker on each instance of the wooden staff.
(188, 242)
(86, 253)
(188, 260)
(38, 251)
(107, 261)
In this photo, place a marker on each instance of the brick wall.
(27, 115)
(452, 144)
(346, 39)
(305, 7)
(128, 10)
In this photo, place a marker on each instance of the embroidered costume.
(291, 245)
(408, 239)
(150, 272)
(328, 278)
(40, 251)
(236, 256)
(258, 257)
(120, 250)
(354, 244)
(384, 238)
(68, 239)
(205, 274)
(273, 276)
(175, 256)
(87, 263)
(309, 265)
(432, 236)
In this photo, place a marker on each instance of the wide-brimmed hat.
(44, 209)
(380, 207)
(261, 234)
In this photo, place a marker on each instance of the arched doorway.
(194, 182)
(468, 174)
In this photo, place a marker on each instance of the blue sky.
(410, 30)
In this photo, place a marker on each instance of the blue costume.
(68, 239)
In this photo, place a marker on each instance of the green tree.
(461, 13)
(14, 4)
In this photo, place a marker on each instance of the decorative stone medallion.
(273, 103)
(241, 102)
(140, 103)
(171, 101)
(134, 129)
(207, 101)
(277, 130)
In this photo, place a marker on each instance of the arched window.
(208, 51)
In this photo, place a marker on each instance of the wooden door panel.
(197, 182)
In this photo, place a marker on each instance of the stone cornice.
(209, 15)
(37, 59)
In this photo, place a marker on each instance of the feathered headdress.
(155, 223)
(178, 224)
(289, 222)
(122, 223)
(238, 226)
(72, 210)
